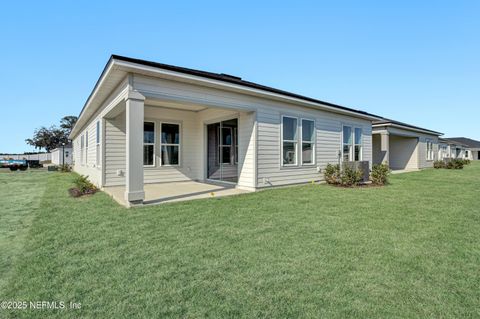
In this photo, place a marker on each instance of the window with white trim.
(82, 145)
(308, 142)
(148, 143)
(98, 161)
(347, 143)
(357, 155)
(352, 147)
(289, 141)
(429, 150)
(170, 144)
(86, 148)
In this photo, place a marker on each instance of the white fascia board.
(82, 118)
(407, 128)
(135, 68)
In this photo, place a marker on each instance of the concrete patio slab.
(174, 192)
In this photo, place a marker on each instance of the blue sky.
(414, 61)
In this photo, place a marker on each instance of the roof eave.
(409, 128)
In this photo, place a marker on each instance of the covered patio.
(175, 191)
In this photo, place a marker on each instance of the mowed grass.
(408, 250)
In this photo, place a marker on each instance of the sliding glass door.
(222, 151)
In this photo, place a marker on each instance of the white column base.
(137, 196)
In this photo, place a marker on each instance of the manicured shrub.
(457, 163)
(332, 174)
(65, 168)
(82, 187)
(439, 164)
(351, 176)
(380, 173)
(466, 162)
(347, 176)
(74, 192)
(450, 165)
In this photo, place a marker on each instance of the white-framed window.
(148, 143)
(358, 148)
(347, 143)
(82, 146)
(308, 142)
(289, 140)
(86, 148)
(429, 150)
(352, 147)
(170, 144)
(98, 161)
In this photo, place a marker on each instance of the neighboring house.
(148, 122)
(41, 157)
(471, 148)
(403, 146)
(62, 155)
(443, 149)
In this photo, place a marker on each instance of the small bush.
(439, 164)
(457, 163)
(74, 192)
(466, 162)
(380, 173)
(83, 187)
(450, 165)
(351, 176)
(347, 176)
(332, 174)
(65, 168)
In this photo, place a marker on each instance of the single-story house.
(403, 146)
(149, 123)
(62, 155)
(469, 147)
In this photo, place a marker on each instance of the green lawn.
(408, 250)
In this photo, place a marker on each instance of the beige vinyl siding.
(328, 143)
(115, 146)
(403, 152)
(422, 150)
(90, 168)
(246, 150)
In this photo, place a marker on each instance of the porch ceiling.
(149, 101)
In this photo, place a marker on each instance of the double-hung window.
(429, 150)
(357, 156)
(82, 145)
(170, 144)
(289, 141)
(148, 143)
(86, 148)
(352, 144)
(347, 143)
(97, 145)
(308, 142)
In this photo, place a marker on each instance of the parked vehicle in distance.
(14, 165)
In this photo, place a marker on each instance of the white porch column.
(385, 147)
(134, 192)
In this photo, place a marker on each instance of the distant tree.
(52, 137)
(67, 123)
